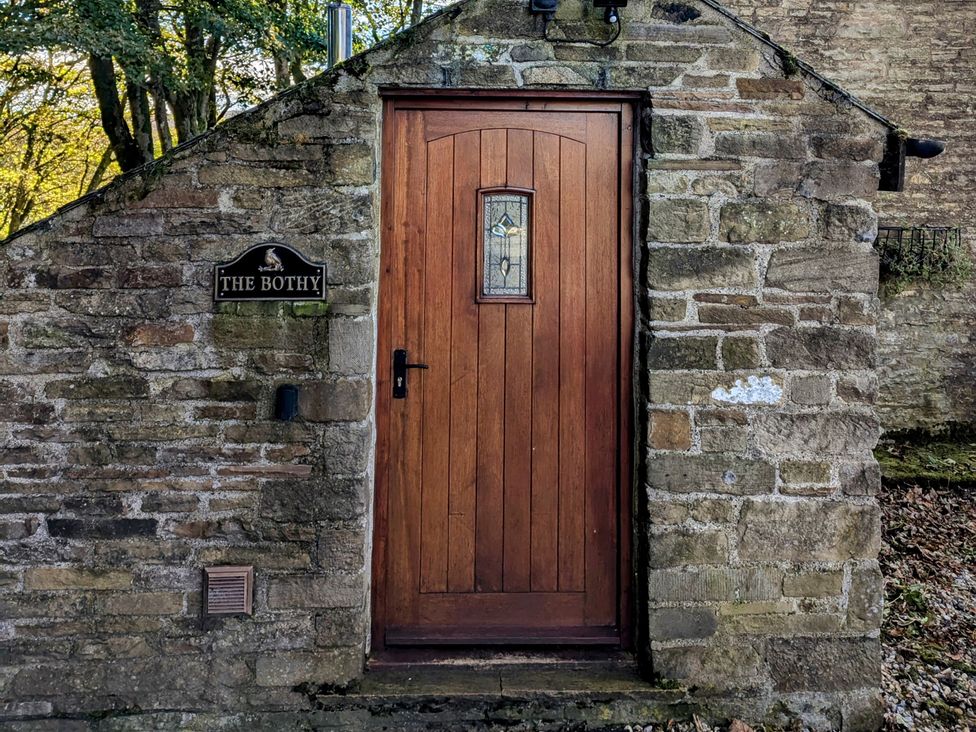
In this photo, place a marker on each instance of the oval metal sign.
(270, 271)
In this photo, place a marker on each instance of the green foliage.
(52, 149)
(186, 50)
(150, 75)
(947, 264)
(908, 602)
(374, 20)
(790, 64)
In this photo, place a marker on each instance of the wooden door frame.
(623, 103)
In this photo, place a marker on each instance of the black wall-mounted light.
(611, 14)
(897, 148)
(923, 148)
(548, 8)
(286, 402)
(544, 7)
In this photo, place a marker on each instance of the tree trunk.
(23, 198)
(297, 73)
(182, 116)
(161, 115)
(126, 150)
(103, 163)
(282, 72)
(212, 107)
(417, 12)
(141, 116)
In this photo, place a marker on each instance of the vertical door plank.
(572, 363)
(406, 414)
(489, 538)
(518, 401)
(464, 366)
(601, 367)
(436, 380)
(545, 367)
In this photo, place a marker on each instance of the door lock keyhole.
(400, 367)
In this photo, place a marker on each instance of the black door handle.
(400, 367)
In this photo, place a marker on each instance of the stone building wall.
(915, 61)
(139, 444)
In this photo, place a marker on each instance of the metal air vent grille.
(228, 590)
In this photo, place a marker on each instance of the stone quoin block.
(331, 401)
(692, 269)
(808, 530)
(712, 584)
(818, 583)
(668, 309)
(678, 220)
(335, 667)
(860, 478)
(844, 147)
(668, 387)
(833, 664)
(680, 547)
(710, 474)
(316, 500)
(800, 472)
(865, 598)
(682, 353)
(759, 145)
(831, 270)
(350, 345)
(681, 135)
(830, 181)
(826, 433)
(764, 221)
(673, 623)
(670, 431)
(850, 223)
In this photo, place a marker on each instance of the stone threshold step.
(500, 677)
(492, 694)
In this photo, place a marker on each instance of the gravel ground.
(929, 633)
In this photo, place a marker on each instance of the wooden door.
(506, 269)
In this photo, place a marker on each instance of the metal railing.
(918, 251)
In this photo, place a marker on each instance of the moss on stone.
(909, 457)
(310, 309)
(269, 308)
(789, 62)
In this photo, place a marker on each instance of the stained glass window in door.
(505, 249)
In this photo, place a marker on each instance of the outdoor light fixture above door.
(544, 7)
(611, 14)
(547, 8)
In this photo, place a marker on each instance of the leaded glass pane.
(505, 250)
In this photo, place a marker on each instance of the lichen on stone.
(754, 390)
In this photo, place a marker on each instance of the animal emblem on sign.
(272, 262)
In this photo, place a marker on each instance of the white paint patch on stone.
(755, 390)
